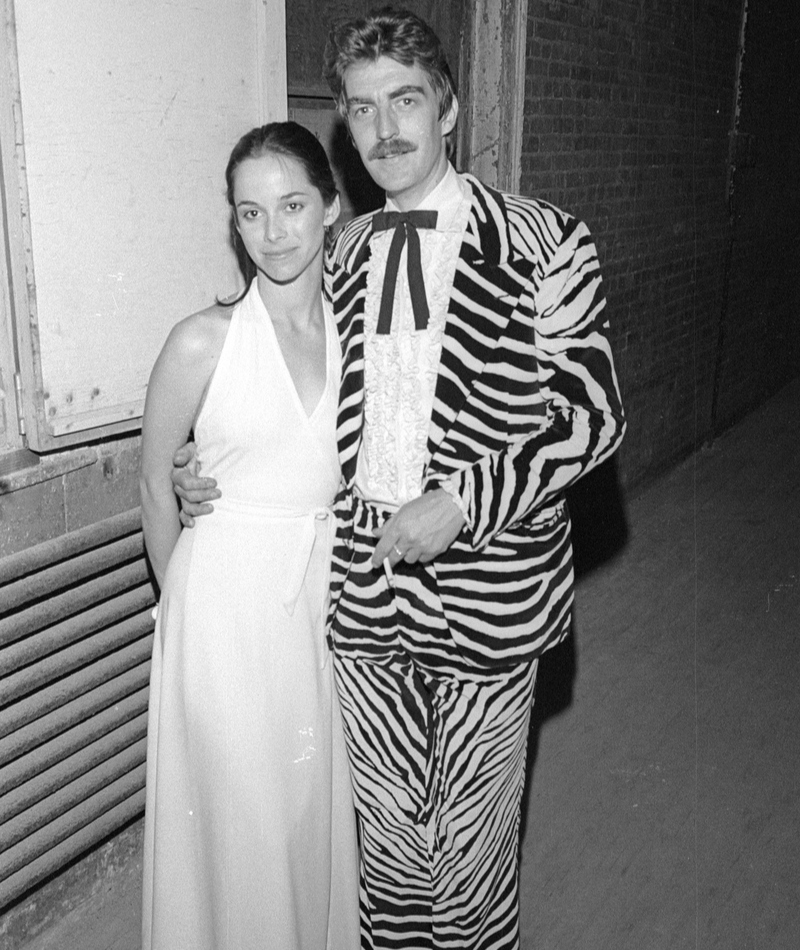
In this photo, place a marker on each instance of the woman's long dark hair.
(276, 138)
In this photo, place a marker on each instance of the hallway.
(662, 811)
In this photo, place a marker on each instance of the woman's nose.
(274, 229)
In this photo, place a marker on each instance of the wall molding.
(492, 91)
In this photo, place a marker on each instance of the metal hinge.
(18, 393)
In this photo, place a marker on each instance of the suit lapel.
(486, 289)
(348, 291)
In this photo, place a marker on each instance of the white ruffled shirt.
(400, 367)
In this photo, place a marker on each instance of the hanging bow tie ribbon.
(405, 226)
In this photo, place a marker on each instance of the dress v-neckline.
(287, 372)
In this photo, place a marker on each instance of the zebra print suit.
(436, 675)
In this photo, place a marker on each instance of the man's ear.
(449, 119)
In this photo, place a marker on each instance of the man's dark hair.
(398, 34)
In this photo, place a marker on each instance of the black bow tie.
(405, 226)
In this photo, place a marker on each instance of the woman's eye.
(293, 206)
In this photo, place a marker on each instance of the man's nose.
(387, 123)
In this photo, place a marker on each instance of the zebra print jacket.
(526, 402)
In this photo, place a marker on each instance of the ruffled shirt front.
(400, 368)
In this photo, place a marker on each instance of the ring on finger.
(397, 551)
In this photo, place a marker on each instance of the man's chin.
(388, 173)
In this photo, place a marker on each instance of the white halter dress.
(249, 831)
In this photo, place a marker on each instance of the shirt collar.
(445, 199)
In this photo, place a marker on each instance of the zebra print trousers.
(438, 766)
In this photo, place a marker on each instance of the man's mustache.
(392, 147)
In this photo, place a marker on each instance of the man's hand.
(194, 492)
(419, 531)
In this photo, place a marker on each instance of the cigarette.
(389, 572)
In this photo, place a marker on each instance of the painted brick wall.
(628, 111)
(37, 506)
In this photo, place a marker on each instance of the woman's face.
(281, 217)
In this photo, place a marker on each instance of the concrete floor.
(662, 809)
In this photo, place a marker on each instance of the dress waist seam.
(240, 506)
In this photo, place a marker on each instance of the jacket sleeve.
(584, 421)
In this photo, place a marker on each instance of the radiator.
(75, 641)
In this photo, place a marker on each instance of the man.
(477, 385)
(459, 429)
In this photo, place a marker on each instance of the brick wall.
(760, 333)
(628, 111)
(68, 491)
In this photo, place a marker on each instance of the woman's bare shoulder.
(200, 334)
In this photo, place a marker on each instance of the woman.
(249, 829)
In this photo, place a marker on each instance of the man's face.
(393, 114)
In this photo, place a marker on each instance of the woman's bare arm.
(174, 394)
